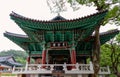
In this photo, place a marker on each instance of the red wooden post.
(74, 55)
(28, 60)
(73, 58)
(44, 58)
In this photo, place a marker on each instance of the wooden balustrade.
(37, 68)
(79, 69)
(104, 70)
(6, 70)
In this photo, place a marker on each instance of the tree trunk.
(118, 74)
(96, 53)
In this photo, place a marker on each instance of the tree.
(111, 56)
(112, 17)
(115, 58)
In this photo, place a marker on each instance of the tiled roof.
(56, 19)
(109, 32)
(6, 60)
(16, 35)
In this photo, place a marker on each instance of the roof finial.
(58, 13)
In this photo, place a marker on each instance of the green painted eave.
(24, 42)
(106, 36)
(83, 47)
(36, 52)
(81, 23)
(86, 47)
(21, 40)
(59, 52)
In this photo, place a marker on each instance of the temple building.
(7, 63)
(60, 47)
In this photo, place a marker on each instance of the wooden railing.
(104, 70)
(8, 70)
(48, 68)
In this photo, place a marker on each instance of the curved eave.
(106, 36)
(12, 64)
(87, 43)
(15, 64)
(5, 60)
(82, 23)
(21, 40)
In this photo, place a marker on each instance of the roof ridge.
(6, 56)
(110, 31)
(48, 21)
(15, 34)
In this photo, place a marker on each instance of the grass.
(8, 74)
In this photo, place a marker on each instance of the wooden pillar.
(28, 60)
(47, 57)
(19, 75)
(73, 57)
(33, 75)
(44, 57)
(79, 75)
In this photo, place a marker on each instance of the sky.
(35, 9)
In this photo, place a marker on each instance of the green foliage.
(118, 38)
(20, 56)
(110, 55)
(111, 5)
(105, 55)
(84, 1)
(112, 75)
(113, 16)
(113, 11)
(8, 74)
